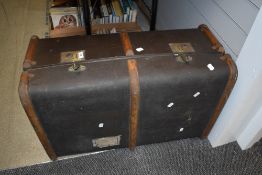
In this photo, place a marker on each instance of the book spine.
(134, 15)
(122, 6)
(79, 14)
(96, 8)
(130, 2)
(130, 16)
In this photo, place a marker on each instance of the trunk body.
(119, 97)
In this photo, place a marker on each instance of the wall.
(230, 20)
(241, 118)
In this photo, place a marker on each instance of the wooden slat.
(128, 49)
(56, 33)
(134, 102)
(29, 57)
(134, 90)
(120, 27)
(227, 91)
(216, 45)
(26, 102)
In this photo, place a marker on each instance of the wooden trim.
(216, 44)
(229, 86)
(134, 91)
(73, 31)
(120, 27)
(28, 107)
(127, 46)
(231, 79)
(134, 102)
(29, 57)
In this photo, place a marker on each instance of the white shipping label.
(81, 55)
(106, 141)
(196, 94)
(140, 49)
(72, 56)
(210, 67)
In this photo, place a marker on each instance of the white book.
(130, 16)
(125, 17)
(134, 15)
(111, 18)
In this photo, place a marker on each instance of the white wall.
(241, 118)
(230, 20)
(238, 26)
(257, 3)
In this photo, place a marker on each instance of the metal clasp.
(183, 58)
(180, 50)
(76, 67)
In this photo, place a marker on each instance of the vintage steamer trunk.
(92, 93)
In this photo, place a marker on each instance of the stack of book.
(78, 17)
(112, 11)
(66, 14)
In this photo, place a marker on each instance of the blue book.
(124, 5)
(130, 3)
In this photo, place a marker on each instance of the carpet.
(189, 156)
(20, 19)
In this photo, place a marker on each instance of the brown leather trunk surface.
(176, 99)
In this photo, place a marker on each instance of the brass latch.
(76, 67)
(181, 50)
(74, 57)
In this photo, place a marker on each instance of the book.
(109, 10)
(125, 6)
(105, 13)
(80, 13)
(95, 4)
(117, 7)
(112, 11)
(64, 17)
(90, 10)
(125, 9)
(64, 3)
(133, 11)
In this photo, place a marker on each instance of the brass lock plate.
(72, 56)
(106, 141)
(181, 48)
(76, 68)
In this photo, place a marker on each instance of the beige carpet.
(19, 20)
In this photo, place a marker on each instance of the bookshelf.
(88, 26)
(67, 32)
(120, 16)
(149, 8)
(67, 10)
(120, 27)
(153, 14)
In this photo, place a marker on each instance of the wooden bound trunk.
(91, 93)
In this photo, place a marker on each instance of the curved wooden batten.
(29, 109)
(216, 44)
(29, 57)
(134, 90)
(232, 77)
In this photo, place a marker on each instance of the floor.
(20, 19)
(187, 157)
